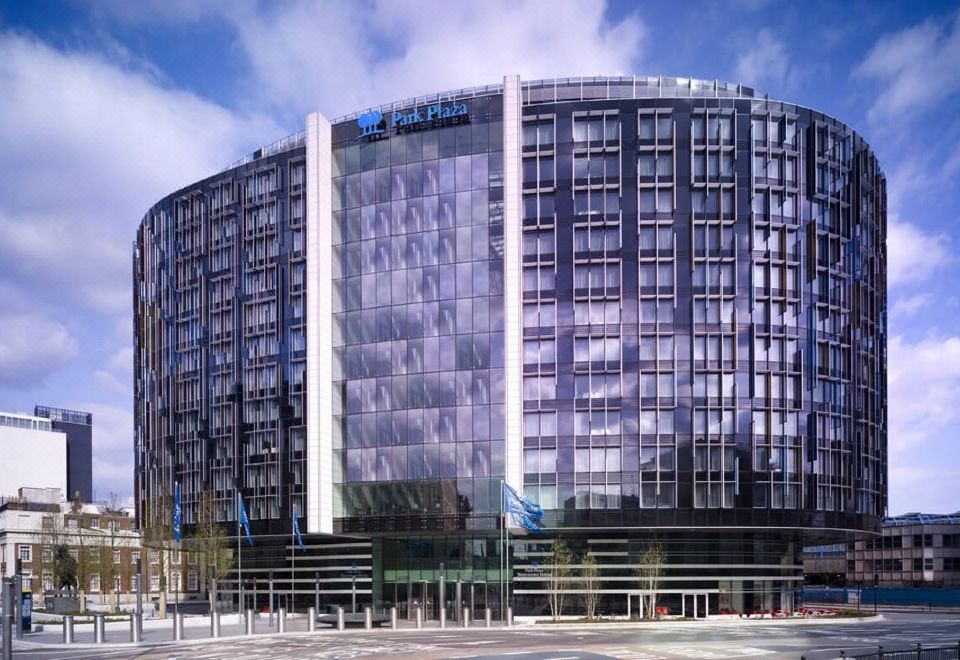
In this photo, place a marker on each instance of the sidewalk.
(197, 629)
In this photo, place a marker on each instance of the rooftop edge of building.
(532, 91)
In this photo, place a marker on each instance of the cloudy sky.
(105, 107)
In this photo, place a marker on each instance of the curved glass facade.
(419, 285)
(658, 305)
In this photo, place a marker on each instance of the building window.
(72, 524)
(134, 556)
(133, 582)
(25, 553)
(154, 582)
(47, 555)
(193, 582)
(95, 583)
(116, 557)
(154, 556)
(95, 522)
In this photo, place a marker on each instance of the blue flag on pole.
(177, 512)
(525, 512)
(244, 520)
(296, 530)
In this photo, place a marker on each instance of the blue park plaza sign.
(372, 122)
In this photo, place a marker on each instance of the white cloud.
(765, 62)
(924, 387)
(916, 67)
(908, 305)
(340, 57)
(913, 255)
(86, 147)
(31, 348)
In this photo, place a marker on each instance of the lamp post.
(876, 587)
(316, 592)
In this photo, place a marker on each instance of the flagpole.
(293, 563)
(239, 558)
(503, 601)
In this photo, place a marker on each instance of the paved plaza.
(708, 640)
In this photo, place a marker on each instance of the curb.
(518, 626)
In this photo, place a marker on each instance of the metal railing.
(918, 652)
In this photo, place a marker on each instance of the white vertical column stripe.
(319, 332)
(512, 276)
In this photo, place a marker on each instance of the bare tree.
(590, 584)
(157, 537)
(108, 569)
(85, 567)
(212, 546)
(557, 574)
(53, 550)
(649, 571)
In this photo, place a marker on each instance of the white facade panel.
(319, 327)
(513, 277)
(32, 459)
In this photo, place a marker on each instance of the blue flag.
(296, 529)
(177, 513)
(524, 511)
(242, 517)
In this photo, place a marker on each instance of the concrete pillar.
(311, 619)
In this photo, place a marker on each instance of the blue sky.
(105, 107)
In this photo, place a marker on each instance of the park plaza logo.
(372, 123)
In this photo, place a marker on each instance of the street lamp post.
(316, 592)
(876, 587)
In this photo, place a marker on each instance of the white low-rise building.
(33, 454)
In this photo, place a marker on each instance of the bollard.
(215, 624)
(487, 617)
(311, 619)
(282, 620)
(340, 623)
(250, 623)
(6, 622)
(393, 618)
(68, 629)
(178, 626)
(510, 617)
(367, 618)
(98, 629)
(465, 618)
(419, 617)
(443, 616)
(135, 628)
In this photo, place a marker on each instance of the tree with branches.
(212, 546)
(109, 569)
(649, 571)
(590, 584)
(561, 559)
(158, 537)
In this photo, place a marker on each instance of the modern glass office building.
(655, 305)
